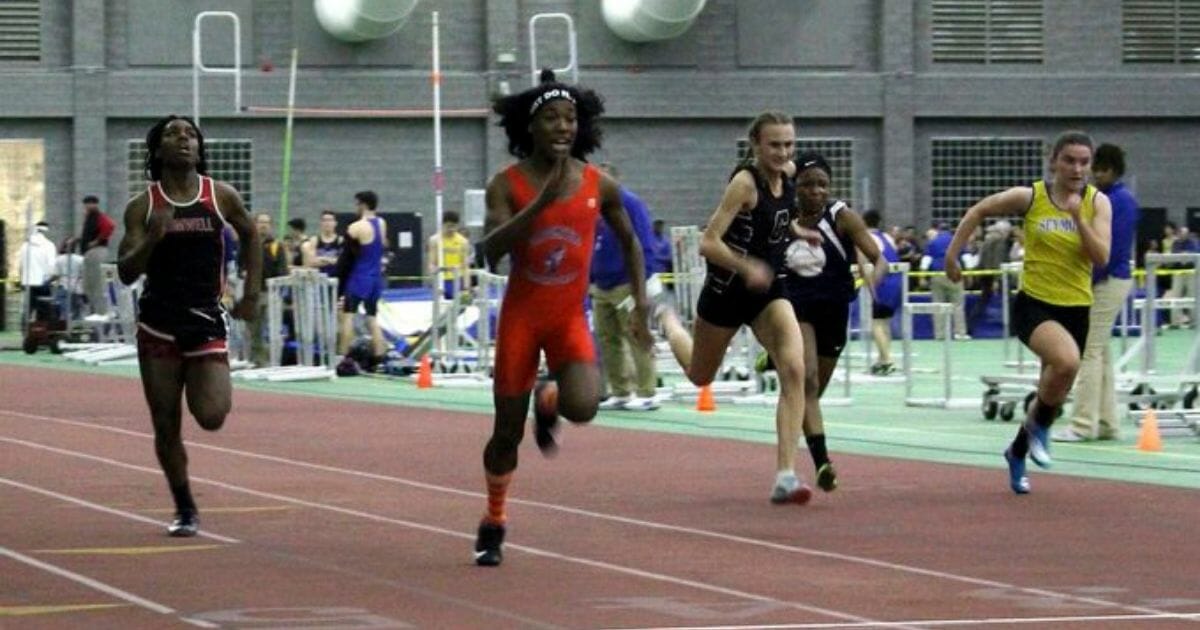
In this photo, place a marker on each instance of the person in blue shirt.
(941, 288)
(662, 247)
(1096, 415)
(611, 293)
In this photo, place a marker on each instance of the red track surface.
(363, 516)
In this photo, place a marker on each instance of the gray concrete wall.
(846, 68)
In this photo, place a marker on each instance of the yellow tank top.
(456, 251)
(1057, 271)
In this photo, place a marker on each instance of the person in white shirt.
(36, 258)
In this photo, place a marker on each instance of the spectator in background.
(1185, 242)
(943, 289)
(1096, 415)
(456, 255)
(294, 240)
(888, 295)
(992, 253)
(274, 265)
(322, 251)
(661, 249)
(97, 230)
(35, 263)
(612, 295)
(68, 268)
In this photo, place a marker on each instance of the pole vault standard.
(439, 183)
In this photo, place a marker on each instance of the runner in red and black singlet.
(543, 212)
(173, 235)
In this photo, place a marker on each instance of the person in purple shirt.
(1096, 415)
(610, 289)
(941, 288)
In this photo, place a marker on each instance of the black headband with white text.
(550, 95)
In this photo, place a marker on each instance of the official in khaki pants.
(1096, 415)
(611, 296)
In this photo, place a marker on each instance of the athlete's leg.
(578, 391)
(881, 330)
(777, 331)
(1059, 356)
(208, 389)
(162, 384)
(378, 345)
(700, 353)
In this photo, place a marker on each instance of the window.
(840, 154)
(1160, 31)
(20, 30)
(230, 161)
(987, 31)
(966, 170)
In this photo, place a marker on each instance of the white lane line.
(934, 623)
(733, 538)
(88, 582)
(596, 564)
(104, 508)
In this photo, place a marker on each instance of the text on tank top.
(1056, 269)
(187, 267)
(557, 255)
(762, 231)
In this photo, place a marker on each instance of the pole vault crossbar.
(352, 112)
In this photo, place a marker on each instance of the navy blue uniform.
(762, 232)
(824, 300)
(180, 312)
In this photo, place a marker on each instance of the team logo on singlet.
(547, 253)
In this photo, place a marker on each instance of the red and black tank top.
(187, 268)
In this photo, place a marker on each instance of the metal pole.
(438, 183)
(287, 144)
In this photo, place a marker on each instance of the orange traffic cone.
(705, 401)
(425, 373)
(1148, 438)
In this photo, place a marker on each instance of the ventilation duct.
(362, 20)
(650, 20)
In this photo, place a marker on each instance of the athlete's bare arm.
(140, 237)
(250, 252)
(849, 222)
(740, 196)
(1012, 202)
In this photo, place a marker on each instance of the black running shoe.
(827, 477)
(185, 525)
(545, 417)
(489, 545)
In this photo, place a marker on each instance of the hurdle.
(1138, 387)
(313, 298)
(942, 313)
(1008, 271)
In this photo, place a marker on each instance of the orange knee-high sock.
(497, 488)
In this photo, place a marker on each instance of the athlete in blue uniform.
(366, 242)
(174, 234)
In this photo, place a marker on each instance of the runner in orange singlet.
(543, 211)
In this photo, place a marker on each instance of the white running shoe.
(613, 403)
(641, 404)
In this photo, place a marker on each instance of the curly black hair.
(515, 115)
(153, 164)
